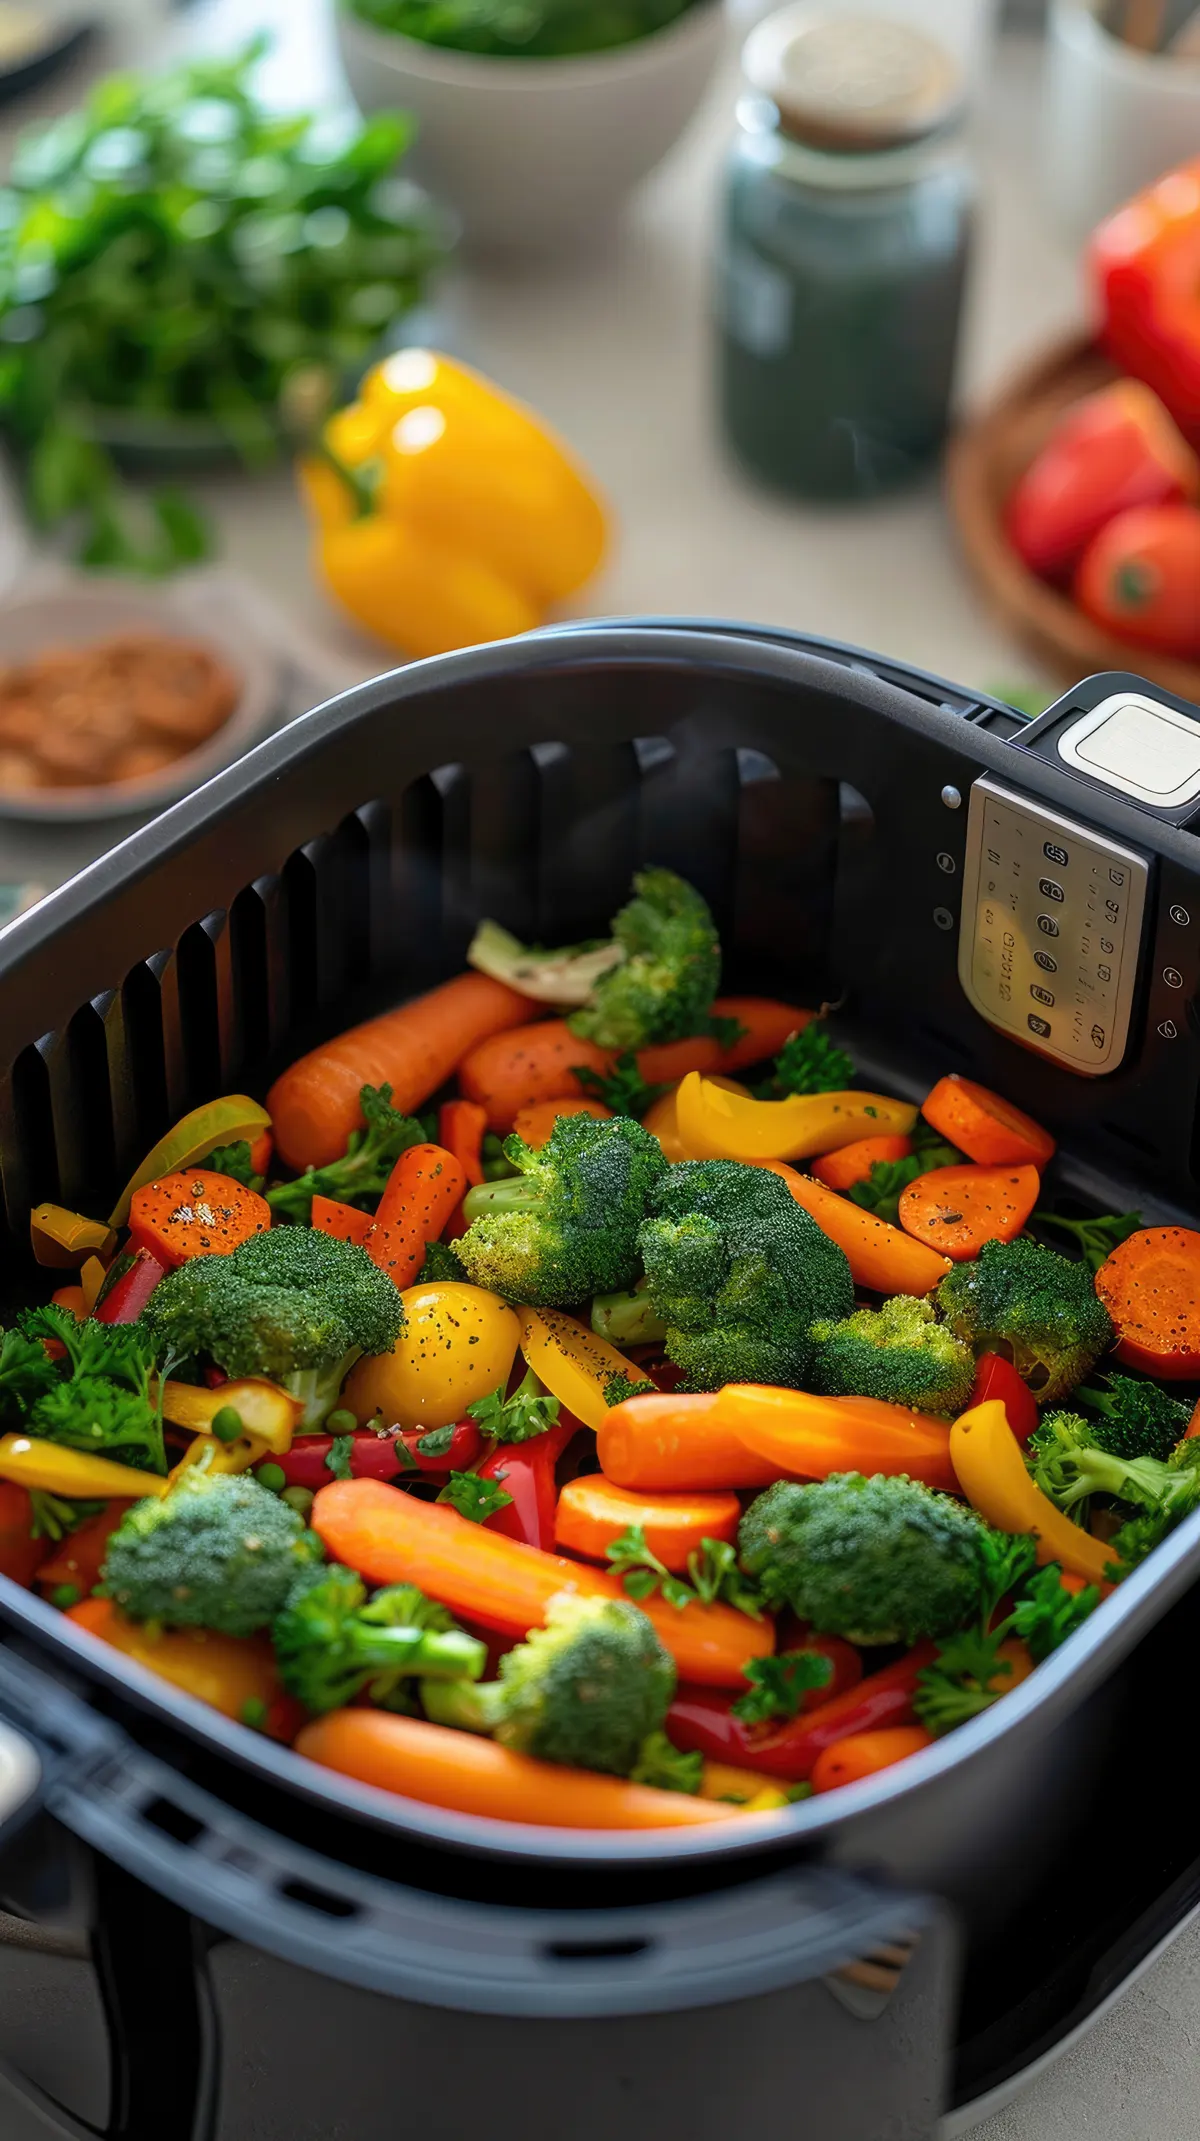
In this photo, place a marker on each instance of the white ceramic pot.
(1115, 119)
(536, 153)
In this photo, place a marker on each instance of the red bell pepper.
(996, 1377)
(128, 1287)
(702, 1720)
(375, 1456)
(21, 1555)
(1114, 449)
(526, 1471)
(1145, 269)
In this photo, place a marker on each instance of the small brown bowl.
(986, 457)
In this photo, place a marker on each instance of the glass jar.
(843, 257)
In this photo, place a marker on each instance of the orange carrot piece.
(985, 1126)
(260, 1152)
(423, 1189)
(391, 1537)
(515, 1069)
(461, 1124)
(314, 1105)
(72, 1297)
(805, 1437)
(470, 1775)
(536, 1123)
(864, 1754)
(224, 1670)
(195, 1213)
(882, 1258)
(79, 1558)
(344, 1221)
(958, 1209)
(1150, 1286)
(592, 1513)
(840, 1170)
(674, 1443)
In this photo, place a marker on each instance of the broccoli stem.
(318, 1389)
(438, 1653)
(470, 1706)
(627, 1319)
(516, 1193)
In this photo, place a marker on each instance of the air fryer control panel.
(1051, 929)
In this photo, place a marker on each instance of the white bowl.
(77, 613)
(535, 153)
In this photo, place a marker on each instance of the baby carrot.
(592, 1513)
(957, 1209)
(676, 1442)
(461, 1124)
(536, 1122)
(314, 1104)
(864, 1754)
(986, 1127)
(391, 1537)
(423, 1189)
(344, 1221)
(475, 1776)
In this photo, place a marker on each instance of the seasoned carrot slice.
(985, 1126)
(958, 1209)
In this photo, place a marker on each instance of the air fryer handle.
(863, 1974)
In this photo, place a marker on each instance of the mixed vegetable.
(616, 1443)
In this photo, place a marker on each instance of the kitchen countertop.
(613, 348)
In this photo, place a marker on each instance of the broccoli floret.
(330, 1643)
(808, 1062)
(587, 1689)
(441, 1262)
(566, 976)
(291, 1304)
(565, 1226)
(1033, 1305)
(98, 1398)
(664, 987)
(738, 1273)
(1135, 1419)
(878, 1560)
(218, 1551)
(899, 1352)
(1069, 1466)
(361, 1174)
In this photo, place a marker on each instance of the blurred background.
(338, 332)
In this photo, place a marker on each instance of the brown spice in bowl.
(119, 710)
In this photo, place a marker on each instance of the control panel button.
(1172, 977)
(1040, 1026)
(1047, 964)
(1047, 925)
(1040, 996)
(1135, 744)
(1049, 890)
(1054, 853)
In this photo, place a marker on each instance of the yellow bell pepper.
(236, 1674)
(217, 1456)
(29, 1461)
(219, 1122)
(992, 1473)
(715, 1124)
(457, 1346)
(62, 1239)
(574, 1364)
(92, 1275)
(661, 1121)
(267, 1413)
(446, 512)
(743, 1787)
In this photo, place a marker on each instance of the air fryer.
(208, 1939)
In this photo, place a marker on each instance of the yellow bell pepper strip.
(266, 1412)
(235, 1674)
(91, 1278)
(575, 1365)
(714, 1124)
(62, 1239)
(218, 1122)
(446, 512)
(991, 1472)
(740, 1787)
(217, 1456)
(660, 1120)
(30, 1461)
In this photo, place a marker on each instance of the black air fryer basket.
(208, 1939)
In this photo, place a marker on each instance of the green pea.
(272, 1476)
(300, 1499)
(227, 1424)
(341, 1422)
(64, 1595)
(254, 1712)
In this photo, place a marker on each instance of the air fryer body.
(325, 1962)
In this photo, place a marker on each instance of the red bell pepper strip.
(375, 1456)
(700, 1719)
(526, 1471)
(996, 1377)
(128, 1287)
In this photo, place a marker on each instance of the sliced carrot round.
(985, 1126)
(1150, 1286)
(840, 1170)
(592, 1512)
(958, 1209)
(195, 1212)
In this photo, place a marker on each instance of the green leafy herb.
(887, 1181)
(808, 1062)
(713, 1571)
(338, 1457)
(623, 1088)
(666, 1767)
(726, 1032)
(361, 1174)
(56, 1518)
(473, 1497)
(1095, 1238)
(436, 1442)
(970, 1671)
(779, 1685)
(529, 1412)
(97, 1399)
(175, 250)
